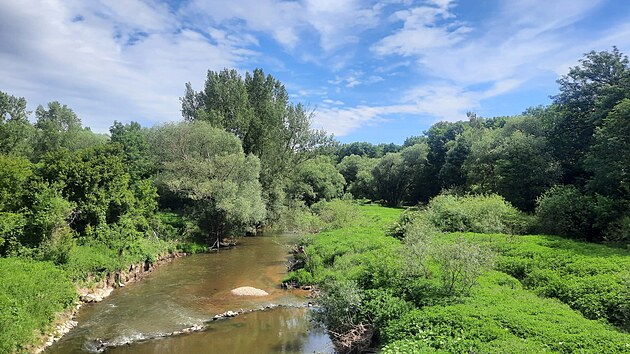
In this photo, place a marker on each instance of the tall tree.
(587, 93)
(206, 167)
(609, 157)
(16, 132)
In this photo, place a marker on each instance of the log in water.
(188, 293)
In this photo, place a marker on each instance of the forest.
(477, 235)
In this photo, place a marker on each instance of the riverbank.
(98, 289)
(173, 310)
(459, 292)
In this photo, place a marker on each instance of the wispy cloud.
(91, 56)
(355, 78)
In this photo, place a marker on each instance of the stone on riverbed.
(249, 291)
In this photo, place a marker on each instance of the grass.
(545, 293)
(31, 294)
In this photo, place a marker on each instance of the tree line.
(245, 157)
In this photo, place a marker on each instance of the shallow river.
(190, 291)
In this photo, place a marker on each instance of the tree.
(135, 144)
(390, 177)
(608, 159)
(515, 165)
(256, 109)
(206, 167)
(438, 137)
(316, 180)
(587, 94)
(59, 127)
(95, 180)
(357, 171)
(16, 132)
(416, 164)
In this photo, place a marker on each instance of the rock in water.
(249, 291)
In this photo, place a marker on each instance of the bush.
(619, 231)
(564, 210)
(300, 276)
(461, 263)
(340, 303)
(475, 213)
(381, 306)
(498, 318)
(335, 214)
(31, 294)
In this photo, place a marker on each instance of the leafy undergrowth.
(526, 304)
(500, 317)
(31, 294)
(591, 278)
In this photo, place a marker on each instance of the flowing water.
(190, 291)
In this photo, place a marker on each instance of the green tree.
(513, 164)
(608, 159)
(587, 94)
(16, 132)
(357, 171)
(135, 143)
(316, 180)
(95, 180)
(206, 167)
(256, 109)
(15, 173)
(391, 180)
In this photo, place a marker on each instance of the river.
(190, 291)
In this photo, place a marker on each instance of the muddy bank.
(98, 291)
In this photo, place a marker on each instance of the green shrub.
(336, 214)
(498, 318)
(619, 231)
(399, 229)
(300, 276)
(340, 303)
(461, 263)
(31, 294)
(590, 278)
(475, 213)
(564, 210)
(381, 306)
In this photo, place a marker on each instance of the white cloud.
(80, 54)
(421, 31)
(355, 78)
(336, 22)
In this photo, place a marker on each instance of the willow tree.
(207, 168)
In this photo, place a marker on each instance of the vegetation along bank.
(454, 274)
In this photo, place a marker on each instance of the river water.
(190, 291)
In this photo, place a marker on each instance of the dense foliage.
(451, 293)
(75, 203)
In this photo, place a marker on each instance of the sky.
(376, 71)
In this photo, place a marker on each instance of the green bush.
(336, 213)
(31, 294)
(300, 276)
(498, 318)
(340, 306)
(381, 306)
(590, 278)
(475, 213)
(564, 210)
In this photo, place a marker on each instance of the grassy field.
(542, 294)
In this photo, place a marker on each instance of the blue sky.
(373, 71)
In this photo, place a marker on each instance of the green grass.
(501, 317)
(546, 294)
(31, 294)
(591, 278)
